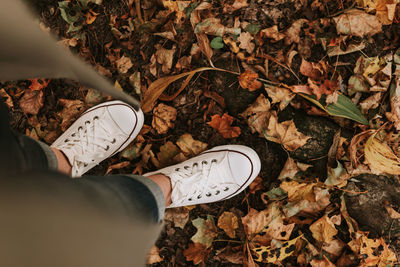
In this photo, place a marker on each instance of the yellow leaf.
(323, 230)
(189, 146)
(229, 223)
(163, 118)
(380, 157)
(275, 255)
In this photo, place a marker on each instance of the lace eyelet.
(214, 161)
(85, 165)
(186, 167)
(96, 117)
(87, 122)
(107, 148)
(73, 135)
(177, 169)
(204, 162)
(217, 193)
(190, 199)
(199, 196)
(195, 164)
(80, 128)
(226, 188)
(113, 141)
(66, 140)
(208, 194)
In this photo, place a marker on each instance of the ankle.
(63, 164)
(164, 182)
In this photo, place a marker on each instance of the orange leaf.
(248, 80)
(38, 84)
(223, 126)
(196, 252)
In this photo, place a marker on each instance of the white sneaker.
(216, 174)
(99, 133)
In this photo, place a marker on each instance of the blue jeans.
(131, 195)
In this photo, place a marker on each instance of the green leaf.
(344, 108)
(206, 231)
(217, 43)
(253, 28)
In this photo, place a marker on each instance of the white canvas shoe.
(216, 174)
(99, 133)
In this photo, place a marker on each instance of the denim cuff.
(52, 161)
(155, 190)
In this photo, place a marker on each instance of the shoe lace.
(90, 143)
(194, 181)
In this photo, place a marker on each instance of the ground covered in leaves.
(312, 85)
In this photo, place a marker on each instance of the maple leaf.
(280, 95)
(163, 117)
(124, 64)
(245, 39)
(229, 223)
(285, 133)
(248, 80)
(32, 101)
(164, 57)
(323, 229)
(189, 146)
(38, 84)
(257, 114)
(206, 231)
(196, 252)
(223, 125)
(72, 109)
(179, 216)
(153, 256)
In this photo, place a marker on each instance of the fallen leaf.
(334, 248)
(291, 168)
(153, 256)
(8, 100)
(257, 114)
(38, 84)
(322, 263)
(311, 69)
(206, 231)
(273, 33)
(230, 255)
(229, 223)
(179, 216)
(165, 57)
(237, 4)
(246, 43)
(117, 166)
(255, 221)
(248, 80)
(196, 252)
(275, 255)
(189, 146)
(323, 230)
(280, 95)
(124, 64)
(223, 126)
(285, 133)
(371, 102)
(163, 118)
(167, 154)
(94, 97)
(132, 151)
(32, 101)
(293, 33)
(357, 22)
(256, 185)
(213, 26)
(70, 112)
(202, 39)
(178, 7)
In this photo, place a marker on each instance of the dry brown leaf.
(322, 263)
(246, 43)
(157, 87)
(32, 101)
(248, 80)
(334, 248)
(230, 255)
(124, 64)
(202, 38)
(153, 256)
(392, 212)
(213, 26)
(189, 146)
(291, 168)
(380, 157)
(280, 95)
(256, 185)
(293, 33)
(8, 100)
(273, 33)
(371, 102)
(179, 216)
(165, 57)
(285, 133)
(38, 84)
(257, 114)
(206, 231)
(167, 155)
(255, 221)
(323, 229)
(357, 22)
(237, 4)
(72, 109)
(196, 252)
(229, 223)
(312, 70)
(163, 118)
(117, 166)
(298, 191)
(178, 7)
(223, 126)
